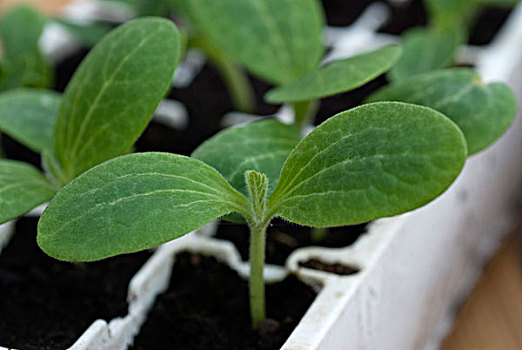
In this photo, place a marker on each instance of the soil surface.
(206, 307)
(48, 304)
(283, 238)
(487, 25)
(338, 269)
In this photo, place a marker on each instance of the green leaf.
(376, 160)
(277, 40)
(262, 146)
(20, 30)
(22, 188)
(426, 50)
(132, 203)
(90, 33)
(338, 76)
(482, 111)
(28, 116)
(114, 93)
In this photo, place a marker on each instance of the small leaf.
(262, 146)
(426, 50)
(114, 93)
(277, 40)
(22, 188)
(28, 116)
(338, 76)
(132, 203)
(376, 160)
(482, 111)
(20, 30)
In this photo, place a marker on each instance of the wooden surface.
(491, 319)
(47, 6)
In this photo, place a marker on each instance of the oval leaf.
(114, 93)
(28, 116)
(337, 77)
(426, 50)
(262, 146)
(277, 40)
(132, 203)
(22, 188)
(482, 111)
(376, 160)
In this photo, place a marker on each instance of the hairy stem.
(257, 285)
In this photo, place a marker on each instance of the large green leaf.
(262, 146)
(28, 116)
(132, 203)
(114, 93)
(425, 50)
(482, 111)
(376, 160)
(22, 187)
(338, 76)
(277, 40)
(20, 30)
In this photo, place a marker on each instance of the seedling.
(22, 64)
(376, 160)
(280, 41)
(106, 106)
(435, 47)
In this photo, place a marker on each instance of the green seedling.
(376, 160)
(435, 47)
(104, 109)
(482, 111)
(21, 63)
(280, 41)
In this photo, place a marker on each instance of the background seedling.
(21, 63)
(280, 41)
(435, 47)
(376, 160)
(106, 106)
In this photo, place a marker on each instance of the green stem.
(304, 112)
(257, 285)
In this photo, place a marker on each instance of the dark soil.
(48, 304)
(405, 16)
(64, 71)
(343, 12)
(206, 307)
(283, 238)
(338, 269)
(487, 25)
(16, 151)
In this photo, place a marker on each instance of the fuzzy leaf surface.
(22, 187)
(261, 146)
(376, 160)
(277, 40)
(114, 93)
(426, 50)
(28, 116)
(482, 111)
(132, 203)
(337, 77)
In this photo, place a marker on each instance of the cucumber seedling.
(104, 109)
(379, 159)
